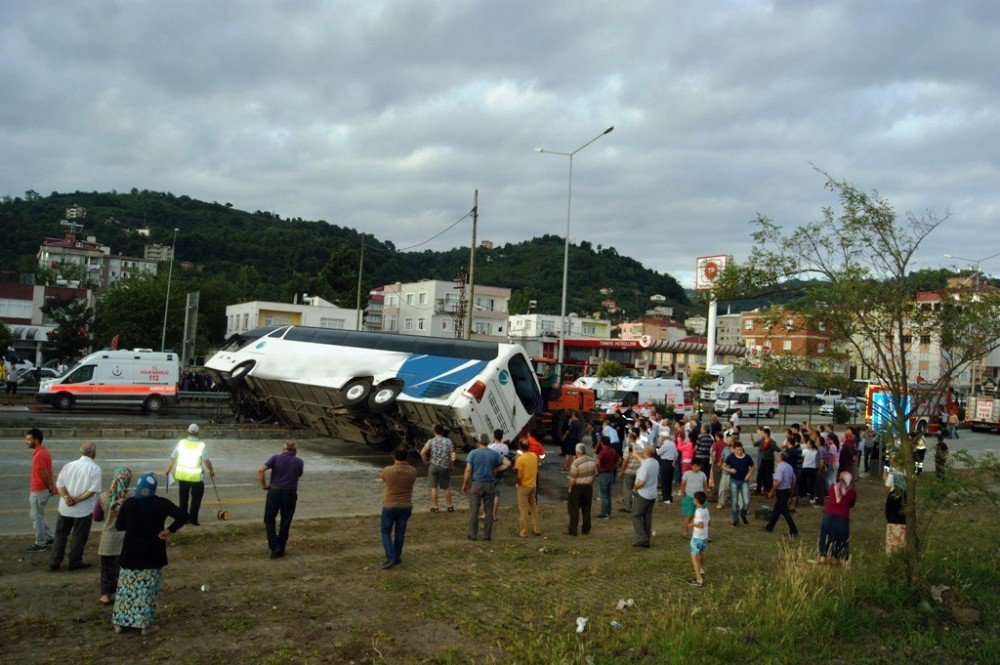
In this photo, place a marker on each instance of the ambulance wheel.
(63, 401)
(770, 413)
(354, 395)
(154, 404)
(239, 373)
(383, 398)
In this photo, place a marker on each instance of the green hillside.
(260, 255)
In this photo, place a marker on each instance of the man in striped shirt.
(582, 472)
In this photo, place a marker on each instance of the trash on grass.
(936, 592)
(616, 624)
(622, 604)
(581, 623)
(205, 587)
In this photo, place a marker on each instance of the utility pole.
(472, 266)
(361, 268)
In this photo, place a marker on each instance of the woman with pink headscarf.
(835, 530)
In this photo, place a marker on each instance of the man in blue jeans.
(607, 466)
(397, 505)
(739, 466)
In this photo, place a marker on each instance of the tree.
(74, 319)
(700, 379)
(780, 372)
(611, 369)
(132, 310)
(6, 338)
(866, 295)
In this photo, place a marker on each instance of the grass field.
(517, 600)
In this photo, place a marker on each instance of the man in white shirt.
(611, 433)
(645, 497)
(667, 453)
(78, 484)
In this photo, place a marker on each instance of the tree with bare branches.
(860, 256)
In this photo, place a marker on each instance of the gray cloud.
(386, 115)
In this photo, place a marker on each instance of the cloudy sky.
(384, 116)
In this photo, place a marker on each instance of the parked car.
(30, 377)
(853, 406)
(828, 396)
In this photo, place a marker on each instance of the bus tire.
(770, 413)
(354, 394)
(238, 375)
(63, 401)
(153, 404)
(382, 398)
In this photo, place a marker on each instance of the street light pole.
(569, 208)
(166, 306)
(974, 262)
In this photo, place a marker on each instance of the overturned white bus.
(377, 388)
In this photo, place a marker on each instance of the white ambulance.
(749, 399)
(642, 394)
(139, 377)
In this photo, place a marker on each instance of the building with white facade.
(436, 308)
(542, 325)
(157, 252)
(312, 311)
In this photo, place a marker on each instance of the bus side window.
(524, 383)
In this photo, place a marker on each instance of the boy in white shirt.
(699, 538)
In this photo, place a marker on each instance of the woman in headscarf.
(144, 553)
(835, 530)
(111, 538)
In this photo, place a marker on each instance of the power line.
(439, 234)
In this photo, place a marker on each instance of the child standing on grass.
(699, 538)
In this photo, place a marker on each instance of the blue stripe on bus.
(436, 376)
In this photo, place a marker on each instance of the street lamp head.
(609, 129)
(948, 256)
(176, 230)
(539, 150)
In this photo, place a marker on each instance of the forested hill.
(269, 257)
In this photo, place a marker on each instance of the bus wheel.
(383, 397)
(154, 404)
(354, 395)
(239, 373)
(770, 413)
(63, 401)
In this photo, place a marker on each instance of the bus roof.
(431, 346)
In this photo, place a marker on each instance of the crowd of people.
(134, 532)
(656, 461)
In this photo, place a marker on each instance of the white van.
(376, 388)
(748, 398)
(137, 377)
(642, 394)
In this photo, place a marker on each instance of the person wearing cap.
(282, 495)
(186, 462)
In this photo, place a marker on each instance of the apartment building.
(436, 308)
